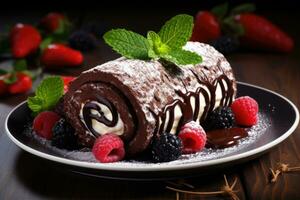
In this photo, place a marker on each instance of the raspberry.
(108, 148)
(193, 137)
(166, 148)
(44, 122)
(64, 135)
(245, 110)
(221, 117)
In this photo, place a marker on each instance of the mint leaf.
(177, 31)
(156, 46)
(20, 65)
(220, 11)
(182, 57)
(128, 43)
(243, 8)
(47, 94)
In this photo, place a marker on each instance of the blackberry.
(226, 44)
(95, 28)
(221, 117)
(64, 135)
(82, 40)
(166, 148)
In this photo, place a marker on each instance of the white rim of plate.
(103, 166)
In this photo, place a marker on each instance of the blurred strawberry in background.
(227, 29)
(25, 39)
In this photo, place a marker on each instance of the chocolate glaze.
(88, 116)
(222, 138)
(144, 91)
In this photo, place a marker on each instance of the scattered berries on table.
(221, 117)
(82, 40)
(44, 122)
(166, 147)
(95, 28)
(225, 44)
(24, 39)
(67, 80)
(245, 110)
(193, 137)
(108, 148)
(22, 84)
(206, 27)
(261, 33)
(59, 55)
(64, 135)
(51, 21)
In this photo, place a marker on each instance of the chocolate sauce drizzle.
(188, 114)
(88, 116)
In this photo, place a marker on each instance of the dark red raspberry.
(109, 148)
(193, 137)
(245, 110)
(44, 122)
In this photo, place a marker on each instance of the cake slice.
(139, 100)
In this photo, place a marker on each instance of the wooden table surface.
(24, 176)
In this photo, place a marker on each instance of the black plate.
(281, 112)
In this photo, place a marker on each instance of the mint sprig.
(177, 31)
(47, 94)
(166, 45)
(127, 43)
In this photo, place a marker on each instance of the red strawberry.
(193, 137)
(51, 21)
(67, 80)
(25, 39)
(58, 55)
(44, 122)
(245, 111)
(261, 33)
(206, 27)
(22, 85)
(3, 88)
(109, 148)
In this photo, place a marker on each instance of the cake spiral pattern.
(139, 100)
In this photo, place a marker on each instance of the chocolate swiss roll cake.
(138, 100)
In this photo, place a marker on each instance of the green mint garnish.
(182, 57)
(128, 43)
(177, 31)
(47, 94)
(166, 45)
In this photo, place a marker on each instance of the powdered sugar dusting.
(85, 155)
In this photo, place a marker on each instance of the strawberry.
(22, 85)
(261, 33)
(24, 39)
(59, 55)
(206, 27)
(67, 80)
(51, 21)
(3, 88)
